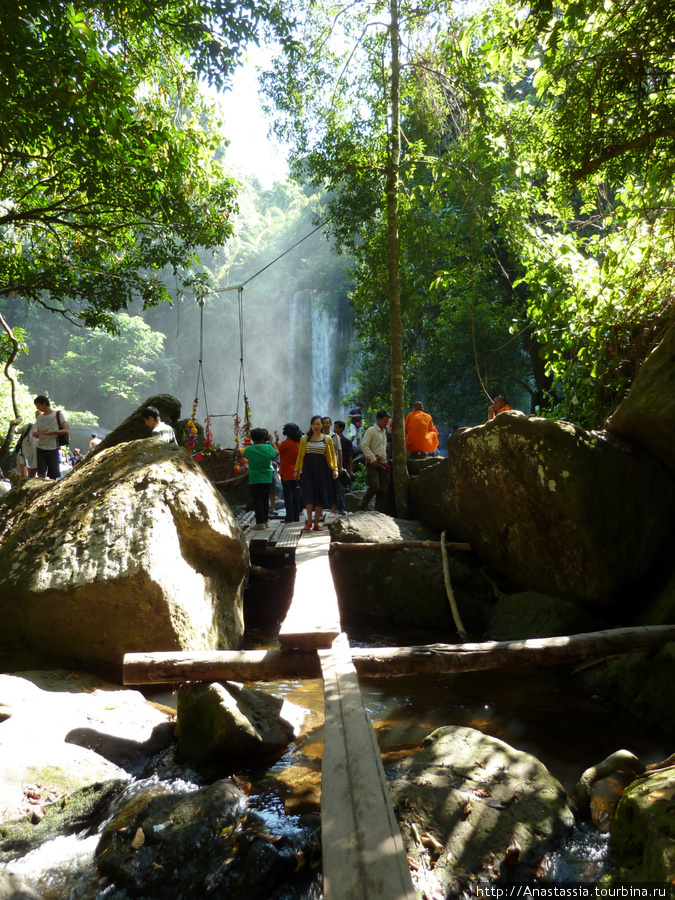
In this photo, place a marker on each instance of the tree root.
(616, 762)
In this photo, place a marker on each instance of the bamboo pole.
(449, 591)
(340, 547)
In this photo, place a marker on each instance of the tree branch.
(12, 380)
(612, 152)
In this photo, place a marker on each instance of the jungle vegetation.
(532, 188)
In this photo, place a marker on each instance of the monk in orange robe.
(499, 404)
(420, 434)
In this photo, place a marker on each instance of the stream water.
(544, 712)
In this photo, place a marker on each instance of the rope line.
(200, 370)
(240, 302)
(264, 268)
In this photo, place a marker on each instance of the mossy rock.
(532, 615)
(475, 796)
(77, 813)
(643, 830)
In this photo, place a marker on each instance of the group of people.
(313, 466)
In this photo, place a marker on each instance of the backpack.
(63, 439)
(24, 434)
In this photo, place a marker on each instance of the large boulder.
(229, 722)
(552, 507)
(133, 551)
(42, 754)
(204, 843)
(469, 804)
(647, 414)
(530, 615)
(402, 588)
(642, 830)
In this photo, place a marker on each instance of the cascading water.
(323, 344)
(315, 350)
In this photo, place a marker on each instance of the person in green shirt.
(259, 456)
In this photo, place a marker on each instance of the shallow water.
(546, 712)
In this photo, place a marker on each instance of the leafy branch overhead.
(535, 212)
(107, 150)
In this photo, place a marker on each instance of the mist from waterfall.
(294, 358)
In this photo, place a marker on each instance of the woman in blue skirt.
(316, 460)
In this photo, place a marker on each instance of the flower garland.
(247, 421)
(209, 446)
(192, 428)
(242, 435)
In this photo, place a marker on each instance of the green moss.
(83, 809)
(643, 830)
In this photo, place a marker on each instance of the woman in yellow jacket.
(316, 463)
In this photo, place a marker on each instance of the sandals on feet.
(318, 528)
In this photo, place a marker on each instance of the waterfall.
(294, 321)
(323, 335)
(315, 376)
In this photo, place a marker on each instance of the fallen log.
(219, 665)
(348, 547)
(372, 662)
(568, 649)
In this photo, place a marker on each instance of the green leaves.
(107, 170)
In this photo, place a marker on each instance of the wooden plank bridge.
(363, 853)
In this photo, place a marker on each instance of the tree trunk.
(400, 468)
(4, 448)
(277, 665)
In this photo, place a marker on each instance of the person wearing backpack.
(26, 452)
(52, 432)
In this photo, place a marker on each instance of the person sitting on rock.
(160, 429)
(499, 405)
(421, 437)
(75, 456)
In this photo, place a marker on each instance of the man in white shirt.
(161, 430)
(374, 447)
(49, 425)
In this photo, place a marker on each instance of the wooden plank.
(313, 618)
(363, 853)
(289, 535)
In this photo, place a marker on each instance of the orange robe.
(420, 434)
(501, 410)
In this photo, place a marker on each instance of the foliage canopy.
(107, 170)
